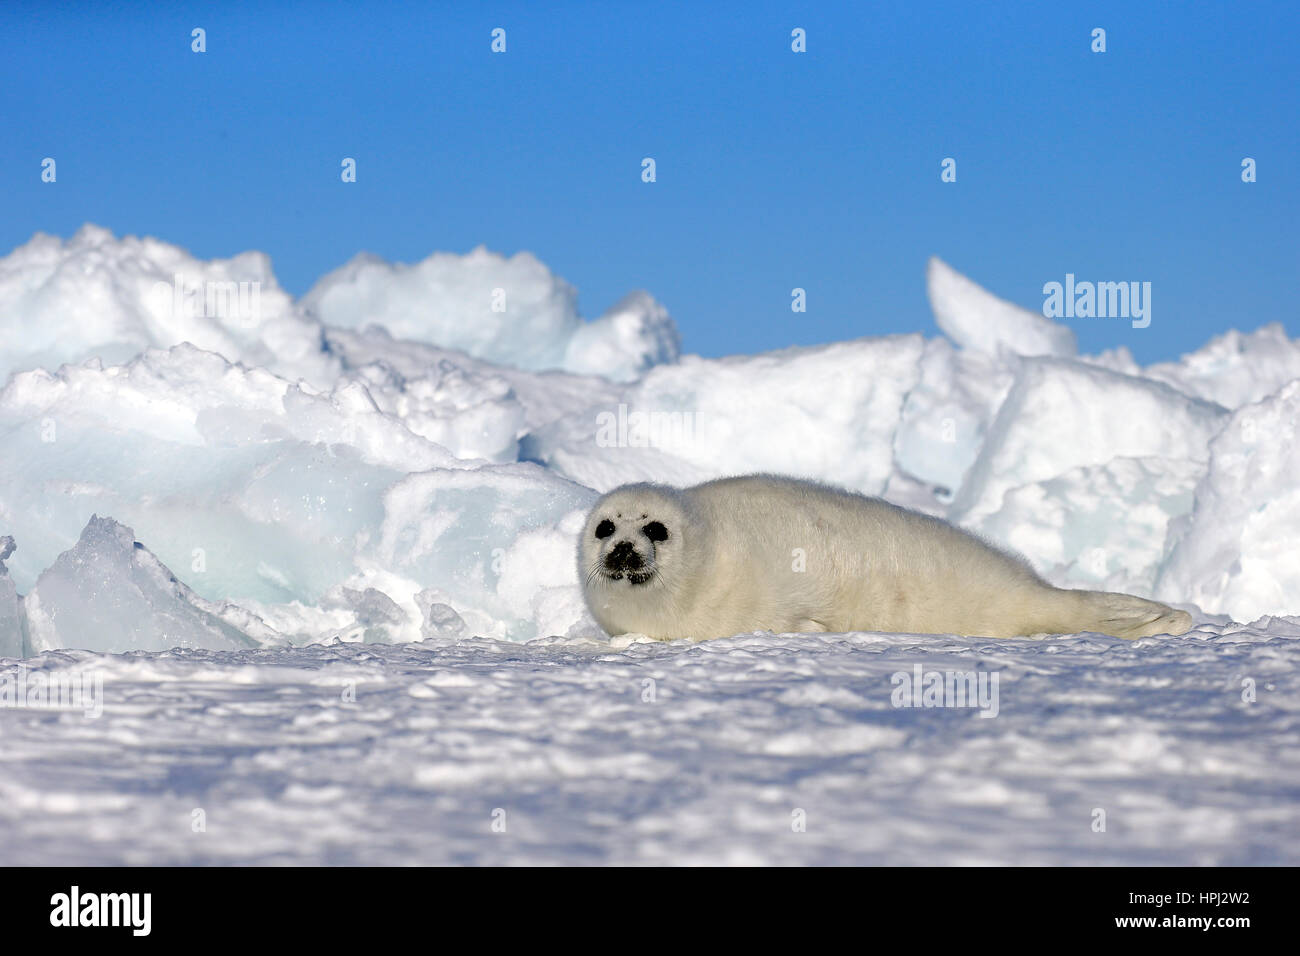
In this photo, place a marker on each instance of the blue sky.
(775, 169)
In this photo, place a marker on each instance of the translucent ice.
(110, 593)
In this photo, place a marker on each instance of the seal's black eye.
(605, 529)
(655, 531)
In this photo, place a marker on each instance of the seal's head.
(633, 538)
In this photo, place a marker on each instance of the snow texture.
(666, 754)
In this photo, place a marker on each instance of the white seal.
(765, 553)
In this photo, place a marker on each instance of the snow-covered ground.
(753, 749)
(336, 536)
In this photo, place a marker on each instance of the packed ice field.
(309, 565)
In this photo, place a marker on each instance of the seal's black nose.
(623, 558)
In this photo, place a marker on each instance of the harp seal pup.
(767, 553)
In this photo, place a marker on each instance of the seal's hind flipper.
(1129, 617)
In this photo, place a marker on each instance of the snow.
(1235, 368)
(1236, 549)
(1063, 414)
(947, 413)
(976, 319)
(665, 754)
(97, 296)
(320, 552)
(705, 418)
(508, 310)
(1085, 470)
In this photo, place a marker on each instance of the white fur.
(731, 564)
